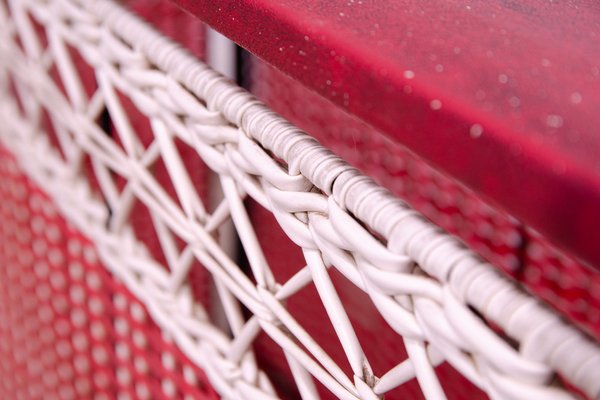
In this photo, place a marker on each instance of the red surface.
(554, 276)
(566, 285)
(525, 76)
(383, 347)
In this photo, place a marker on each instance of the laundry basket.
(165, 234)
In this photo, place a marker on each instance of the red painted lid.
(502, 95)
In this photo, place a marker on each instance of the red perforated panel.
(68, 328)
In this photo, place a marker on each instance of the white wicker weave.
(422, 281)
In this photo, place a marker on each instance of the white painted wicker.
(423, 281)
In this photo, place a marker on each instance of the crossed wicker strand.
(421, 280)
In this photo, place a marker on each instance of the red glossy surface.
(499, 94)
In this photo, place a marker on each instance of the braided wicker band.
(427, 286)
